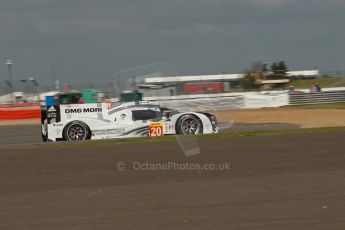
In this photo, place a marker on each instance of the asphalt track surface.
(294, 181)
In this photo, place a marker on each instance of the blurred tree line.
(262, 71)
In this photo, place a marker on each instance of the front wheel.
(188, 124)
(76, 131)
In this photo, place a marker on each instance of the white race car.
(74, 122)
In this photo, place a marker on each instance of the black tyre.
(189, 124)
(44, 138)
(76, 131)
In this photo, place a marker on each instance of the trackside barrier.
(18, 111)
(19, 114)
(317, 98)
(266, 100)
(202, 104)
(223, 102)
(18, 105)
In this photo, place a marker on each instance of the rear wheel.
(188, 124)
(76, 131)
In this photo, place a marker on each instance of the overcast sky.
(90, 40)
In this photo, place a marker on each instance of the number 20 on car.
(156, 129)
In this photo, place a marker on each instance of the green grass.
(234, 134)
(319, 106)
(323, 82)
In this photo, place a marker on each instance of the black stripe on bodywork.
(131, 106)
(137, 130)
